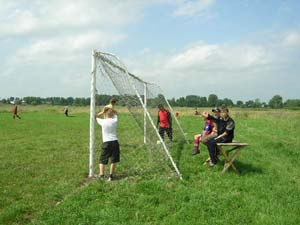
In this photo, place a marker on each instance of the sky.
(238, 49)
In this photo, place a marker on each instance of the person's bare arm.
(99, 114)
(221, 135)
(205, 114)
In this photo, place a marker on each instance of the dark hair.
(225, 109)
(113, 100)
(216, 110)
(160, 106)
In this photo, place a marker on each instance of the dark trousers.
(16, 115)
(212, 148)
(168, 130)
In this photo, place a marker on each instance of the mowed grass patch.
(45, 163)
(41, 161)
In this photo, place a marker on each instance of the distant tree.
(192, 100)
(181, 101)
(239, 103)
(87, 101)
(212, 100)
(219, 102)
(264, 105)
(102, 99)
(202, 102)
(18, 101)
(70, 101)
(292, 103)
(33, 100)
(228, 102)
(276, 102)
(250, 104)
(257, 103)
(172, 102)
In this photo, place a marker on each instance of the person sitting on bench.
(225, 133)
(206, 133)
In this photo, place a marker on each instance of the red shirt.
(163, 118)
(15, 110)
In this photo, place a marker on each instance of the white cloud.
(210, 57)
(44, 17)
(23, 22)
(198, 54)
(292, 39)
(194, 8)
(65, 48)
(228, 70)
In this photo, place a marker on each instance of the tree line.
(189, 101)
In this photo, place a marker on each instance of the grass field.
(44, 168)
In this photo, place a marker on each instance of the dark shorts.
(110, 149)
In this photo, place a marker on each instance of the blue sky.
(236, 49)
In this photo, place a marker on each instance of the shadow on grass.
(177, 149)
(135, 175)
(244, 168)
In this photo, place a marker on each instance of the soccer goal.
(139, 101)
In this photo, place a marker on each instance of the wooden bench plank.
(232, 144)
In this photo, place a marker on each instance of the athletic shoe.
(195, 152)
(110, 178)
(211, 164)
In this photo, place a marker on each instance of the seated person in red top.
(208, 131)
(164, 121)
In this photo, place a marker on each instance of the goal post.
(145, 115)
(137, 95)
(92, 115)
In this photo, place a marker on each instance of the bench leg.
(229, 162)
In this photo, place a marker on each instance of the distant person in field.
(225, 133)
(66, 110)
(164, 122)
(110, 145)
(207, 132)
(111, 105)
(15, 112)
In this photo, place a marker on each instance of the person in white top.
(110, 144)
(66, 110)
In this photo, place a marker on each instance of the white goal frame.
(95, 55)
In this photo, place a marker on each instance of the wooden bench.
(229, 159)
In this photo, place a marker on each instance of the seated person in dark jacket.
(225, 133)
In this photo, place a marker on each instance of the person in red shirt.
(164, 122)
(15, 112)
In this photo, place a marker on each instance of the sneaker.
(195, 152)
(211, 164)
(110, 178)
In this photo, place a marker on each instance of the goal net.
(143, 150)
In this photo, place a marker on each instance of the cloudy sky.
(239, 49)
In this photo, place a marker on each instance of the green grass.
(44, 166)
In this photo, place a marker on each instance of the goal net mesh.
(134, 126)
